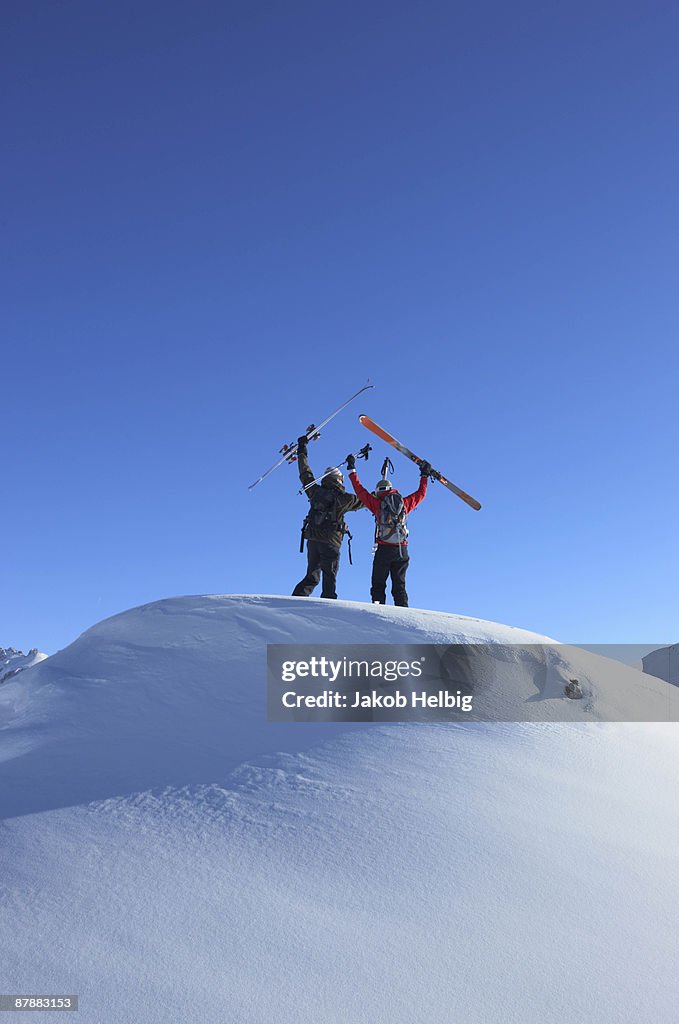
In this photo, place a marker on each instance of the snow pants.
(321, 559)
(390, 560)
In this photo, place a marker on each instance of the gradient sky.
(218, 220)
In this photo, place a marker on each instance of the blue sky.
(218, 220)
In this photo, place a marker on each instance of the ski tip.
(472, 502)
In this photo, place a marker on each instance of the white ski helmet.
(333, 474)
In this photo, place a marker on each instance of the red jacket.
(372, 502)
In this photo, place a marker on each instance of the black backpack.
(324, 516)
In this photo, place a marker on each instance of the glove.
(351, 463)
(425, 469)
(302, 444)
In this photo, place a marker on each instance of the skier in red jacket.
(391, 533)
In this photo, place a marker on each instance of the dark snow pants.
(390, 561)
(321, 558)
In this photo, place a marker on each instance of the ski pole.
(362, 454)
(387, 466)
(289, 451)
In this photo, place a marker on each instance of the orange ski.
(386, 436)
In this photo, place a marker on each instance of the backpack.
(390, 522)
(324, 514)
(324, 517)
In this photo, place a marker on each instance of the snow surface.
(169, 855)
(663, 663)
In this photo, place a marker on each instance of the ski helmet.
(383, 485)
(333, 475)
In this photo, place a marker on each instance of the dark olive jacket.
(345, 503)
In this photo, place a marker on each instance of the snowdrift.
(167, 853)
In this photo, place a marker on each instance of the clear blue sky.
(218, 220)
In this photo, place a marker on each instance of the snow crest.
(167, 853)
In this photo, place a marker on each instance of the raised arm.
(304, 469)
(411, 501)
(369, 500)
(305, 473)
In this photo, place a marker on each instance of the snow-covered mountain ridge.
(663, 664)
(168, 853)
(13, 661)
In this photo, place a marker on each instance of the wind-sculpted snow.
(168, 854)
(173, 693)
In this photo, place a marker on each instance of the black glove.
(351, 462)
(425, 469)
(302, 444)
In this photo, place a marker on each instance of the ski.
(290, 450)
(381, 432)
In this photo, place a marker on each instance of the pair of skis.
(289, 451)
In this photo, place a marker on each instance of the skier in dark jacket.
(324, 526)
(391, 533)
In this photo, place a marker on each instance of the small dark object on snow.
(574, 690)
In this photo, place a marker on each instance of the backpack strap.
(338, 519)
(349, 540)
